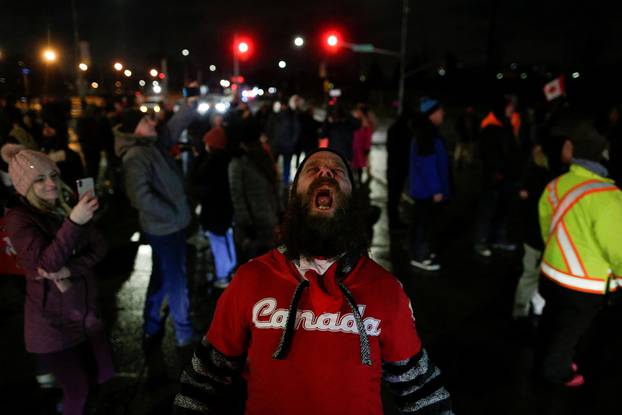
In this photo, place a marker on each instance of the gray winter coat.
(153, 184)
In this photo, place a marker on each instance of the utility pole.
(76, 50)
(46, 80)
(402, 81)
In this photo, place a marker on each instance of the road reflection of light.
(143, 259)
(127, 330)
(141, 273)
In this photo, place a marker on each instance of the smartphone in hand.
(84, 186)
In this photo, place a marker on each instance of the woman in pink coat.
(57, 248)
(361, 144)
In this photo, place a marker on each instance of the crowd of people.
(237, 172)
(280, 197)
(548, 184)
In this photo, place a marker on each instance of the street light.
(83, 67)
(49, 55)
(141, 82)
(94, 85)
(118, 66)
(185, 52)
(127, 73)
(282, 64)
(299, 41)
(212, 68)
(153, 72)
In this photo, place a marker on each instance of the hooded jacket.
(429, 163)
(312, 344)
(153, 184)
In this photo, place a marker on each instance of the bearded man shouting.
(313, 326)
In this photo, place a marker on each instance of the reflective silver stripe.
(573, 196)
(553, 193)
(569, 253)
(583, 284)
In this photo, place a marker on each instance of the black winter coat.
(210, 179)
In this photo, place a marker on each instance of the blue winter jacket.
(428, 174)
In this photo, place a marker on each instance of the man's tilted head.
(323, 183)
(321, 217)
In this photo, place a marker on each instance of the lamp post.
(49, 56)
(185, 53)
(400, 88)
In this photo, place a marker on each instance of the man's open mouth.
(324, 199)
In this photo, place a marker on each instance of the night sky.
(140, 33)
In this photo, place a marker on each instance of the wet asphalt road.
(463, 316)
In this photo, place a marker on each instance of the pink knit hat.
(25, 165)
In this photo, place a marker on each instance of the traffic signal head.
(242, 47)
(332, 40)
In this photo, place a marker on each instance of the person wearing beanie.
(428, 184)
(315, 324)
(58, 247)
(581, 223)
(155, 187)
(210, 177)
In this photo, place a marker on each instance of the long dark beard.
(320, 236)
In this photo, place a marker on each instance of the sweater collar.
(592, 167)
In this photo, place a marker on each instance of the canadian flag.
(555, 88)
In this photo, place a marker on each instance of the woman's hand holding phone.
(85, 209)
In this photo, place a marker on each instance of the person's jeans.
(527, 287)
(287, 164)
(424, 228)
(168, 278)
(495, 211)
(223, 251)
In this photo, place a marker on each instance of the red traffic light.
(332, 40)
(242, 47)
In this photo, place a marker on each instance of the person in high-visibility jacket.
(581, 223)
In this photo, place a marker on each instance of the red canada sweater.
(322, 372)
